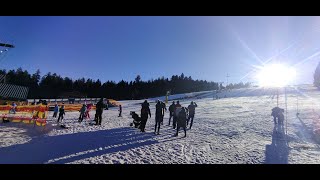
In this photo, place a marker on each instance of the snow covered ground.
(237, 129)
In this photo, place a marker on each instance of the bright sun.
(275, 75)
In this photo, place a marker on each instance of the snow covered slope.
(237, 129)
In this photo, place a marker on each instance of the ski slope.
(237, 129)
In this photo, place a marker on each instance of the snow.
(237, 129)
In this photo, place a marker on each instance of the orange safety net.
(27, 114)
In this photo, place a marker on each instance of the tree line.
(52, 85)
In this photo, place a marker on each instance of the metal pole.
(227, 80)
(285, 93)
(278, 97)
(298, 102)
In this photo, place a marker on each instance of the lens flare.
(275, 75)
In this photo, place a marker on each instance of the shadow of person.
(71, 147)
(278, 151)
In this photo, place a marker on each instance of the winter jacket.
(56, 109)
(159, 109)
(145, 111)
(61, 111)
(192, 108)
(172, 107)
(182, 118)
(99, 107)
(83, 109)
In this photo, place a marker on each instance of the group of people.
(84, 112)
(180, 116)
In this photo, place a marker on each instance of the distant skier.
(61, 113)
(181, 121)
(82, 112)
(172, 108)
(145, 111)
(120, 110)
(192, 109)
(55, 111)
(177, 106)
(158, 116)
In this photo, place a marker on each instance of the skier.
(82, 112)
(55, 110)
(181, 122)
(172, 108)
(61, 113)
(145, 111)
(120, 110)
(191, 109)
(159, 116)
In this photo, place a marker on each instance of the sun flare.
(275, 75)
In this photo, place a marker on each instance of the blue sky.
(115, 48)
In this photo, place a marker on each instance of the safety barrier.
(36, 114)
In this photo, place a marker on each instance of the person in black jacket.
(120, 110)
(61, 113)
(145, 111)
(159, 116)
(136, 119)
(164, 108)
(99, 110)
(181, 121)
(172, 108)
(175, 116)
(192, 111)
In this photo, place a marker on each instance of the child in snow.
(82, 111)
(87, 115)
(61, 113)
(14, 107)
(55, 110)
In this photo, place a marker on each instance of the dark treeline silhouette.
(54, 86)
(238, 85)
